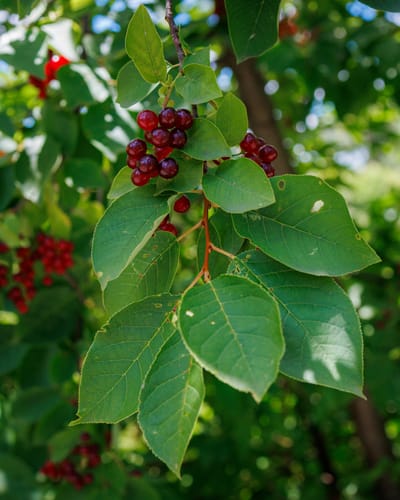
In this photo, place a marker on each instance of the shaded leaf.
(231, 119)
(321, 328)
(309, 228)
(170, 403)
(131, 87)
(232, 328)
(205, 141)
(118, 360)
(124, 229)
(238, 186)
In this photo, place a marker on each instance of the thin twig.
(169, 17)
(190, 230)
(221, 251)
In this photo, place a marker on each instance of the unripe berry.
(182, 204)
(147, 120)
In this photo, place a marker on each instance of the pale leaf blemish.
(254, 216)
(317, 206)
(309, 376)
(313, 251)
(158, 306)
(189, 313)
(212, 323)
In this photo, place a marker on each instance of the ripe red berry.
(53, 65)
(170, 228)
(249, 143)
(167, 117)
(184, 119)
(131, 161)
(178, 138)
(268, 153)
(147, 120)
(159, 137)
(162, 153)
(136, 148)
(47, 281)
(182, 204)
(139, 178)
(168, 168)
(268, 169)
(148, 164)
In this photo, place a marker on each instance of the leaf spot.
(158, 306)
(281, 185)
(189, 313)
(358, 236)
(317, 206)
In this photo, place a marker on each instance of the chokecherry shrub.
(260, 300)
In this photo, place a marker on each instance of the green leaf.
(309, 228)
(28, 53)
(232, 328)
(121, 355)
(7, 185)
(61, 125)
(231, 119)
(144, 46)
(205, 141)
(198, 84)
(109, 128)
(188, 178)
(6, 126)
(253, 27)
(238, 186)
(33, 403)
(11, 356)
(388, 5)
(170, 403)
(152, 271)
(17, 479)
(124, 229)
(321, 328)
(80, 85)
(131, 87)
(84, 173)
(201, 56)
(121, 184)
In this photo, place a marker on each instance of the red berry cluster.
(165, 132)
(74, 468)
(181, 206)
(51, 67)
(55, 257)
(259, 151)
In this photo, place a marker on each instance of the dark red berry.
(139, 178)
(268, 169)
(147, 164)
(260, 142)
(136, 148)
(147, 120)
(184, 119)
(47, 281)
(3, 247)
(268, 153)
(168, 168)
(163, 222)
(182, 204)
(249, 143)
(159, 137)
(178, 138)
(170, 228)
(131, 161)
(87, 478)
(162, 153)
(167, 117)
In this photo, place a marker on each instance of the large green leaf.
(120, 357)
(238, 186)
(124, 229)
(231, 119)
(198, 84)
(151, 272)
(232, 327)
(253, 26)
(205, 141)
(389, 5)
(321, 328)
(170, 402)
(144, 46)
(121, 184)
(131, 87)
(309, 228)
(81, 85)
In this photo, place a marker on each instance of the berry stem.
(190, 230)
(169, 17)
(221, 251)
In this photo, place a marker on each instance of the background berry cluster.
(164, 133)
(20, 267)
(54, 63)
